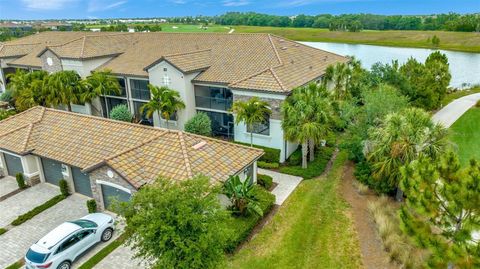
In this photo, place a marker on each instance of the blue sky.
(55, 9)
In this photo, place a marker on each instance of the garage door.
(109, 193)
(52, 171)
(81, 182)
(14, 164)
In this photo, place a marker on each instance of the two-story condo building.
(209, 70)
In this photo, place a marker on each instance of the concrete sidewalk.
(286, 184)
(453, 111)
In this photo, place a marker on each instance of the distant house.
(209, 70)
(16, 26)
(55, 26)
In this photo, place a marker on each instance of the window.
(67, 244)
(81, 235)
(141, 117)
(166, 80)
(173, 117)
(260, 128)
(109, 102)
(139, 89)
(121, 81)
(249, 172)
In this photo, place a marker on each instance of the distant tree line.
(357, 22)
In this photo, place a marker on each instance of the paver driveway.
(122, 257)
(7, 185)
(15, 243)
(25, 201)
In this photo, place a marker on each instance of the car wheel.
(64, 265)
(107, 234)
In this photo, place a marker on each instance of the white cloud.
(100, 5)
(47, 4)
(235, 3)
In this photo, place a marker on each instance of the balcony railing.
(213, 103)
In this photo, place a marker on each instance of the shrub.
(478, 103)
(362, 189)
(21, 181)
(92, 206)
(265, 165)
(397, 244)
(296, 157)
(6, 113)
(265, 181)
(315, 168)
(243, 225)
(2, 231)
(37, 210)
(271, 155)
(121, 113)
(6, 96)
(16, 265)
(200, 124)
(64, 187)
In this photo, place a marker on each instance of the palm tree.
(164, 101)
(306, 118)
(99, 83)
(401, 138)
(64, 88)
(251, 112)
(28, 88)
(241, 195)
(345, 78)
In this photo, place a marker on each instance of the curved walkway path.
(453, 111)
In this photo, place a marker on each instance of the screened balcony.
(213, 98)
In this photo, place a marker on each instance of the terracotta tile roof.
(138, 153)
(244, 61)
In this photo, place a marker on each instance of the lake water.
(464, 66)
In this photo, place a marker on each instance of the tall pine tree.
(442, 210)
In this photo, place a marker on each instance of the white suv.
(60, 247)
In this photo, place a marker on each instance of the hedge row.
(37, 210)
(271, 155)
(104, 252)
(243, 225)
(265, 181)
(314, 169)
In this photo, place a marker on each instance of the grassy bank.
(458, 41)
(465, 134)
(312, 229)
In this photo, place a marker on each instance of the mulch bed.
(10, 194)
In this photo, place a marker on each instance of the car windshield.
(85, 223)
(36, 257)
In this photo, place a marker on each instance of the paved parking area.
(119, 226)
(16, 241)
(25, 201)
(286, 184)
(122, 257)
(7, 185)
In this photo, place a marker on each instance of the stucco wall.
(180, 82)
(275, 138)
(84, 67)
(100, 174)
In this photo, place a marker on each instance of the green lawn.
(466, 134)
(460, 41)
(312, 229)
(457, 94)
